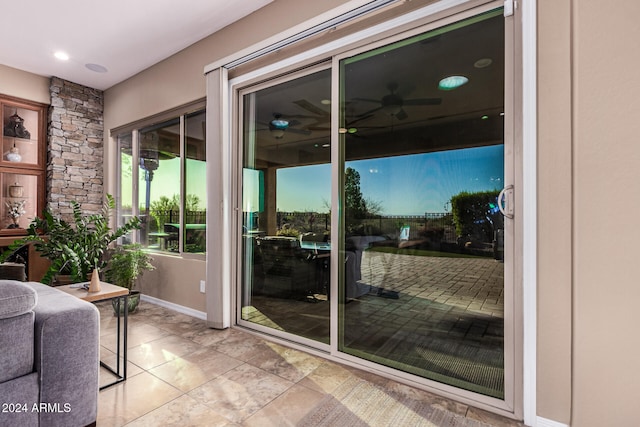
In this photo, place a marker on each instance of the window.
(167, 190)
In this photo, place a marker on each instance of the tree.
(162, 209)
(355, 206)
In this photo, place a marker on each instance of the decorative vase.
(16, 190)
(94, 284)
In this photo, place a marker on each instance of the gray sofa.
(49, 357)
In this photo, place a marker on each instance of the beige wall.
(554, 211)
(606, 200)
(176, 280)
(22, 84)
(176, 81)
(589, 199)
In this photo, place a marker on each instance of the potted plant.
(126, 265)
(74, 249)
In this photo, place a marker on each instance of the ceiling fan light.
(279, 124)
(277, 133)
(452, 82)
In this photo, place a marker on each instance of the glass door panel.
(422, 273)
(286, 192)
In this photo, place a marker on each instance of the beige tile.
(404, 392)
(195, 369)
(182, 412)
(290, 364)
(154, 353)
(109, 358)
(209, 336)
(139, 333)
(326, 377)
(240, 345)
(286, 410)
(133, 398)
(491, 419)
(240, 392)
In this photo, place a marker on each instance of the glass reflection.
(195, 214)
(286, 190)
(422, 277)
(159, 186)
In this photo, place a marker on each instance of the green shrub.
(475, 216)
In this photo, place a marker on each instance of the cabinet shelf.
(22, 163)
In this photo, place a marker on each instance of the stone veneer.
(75, 148)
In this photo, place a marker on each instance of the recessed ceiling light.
(62, 56)
(97, 68)
(325, 102)
(452, 82)
(483, 63)
(485, 117)
(326, 145)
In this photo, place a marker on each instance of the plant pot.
(132, 303)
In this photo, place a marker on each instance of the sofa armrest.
(67, 352)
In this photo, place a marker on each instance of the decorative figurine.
(14, 211)
(16, 128)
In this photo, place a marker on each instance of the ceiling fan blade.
(367, 100)
(303, 103)
(299, 131)
(423, 101)
(360, 118)
(368, 113)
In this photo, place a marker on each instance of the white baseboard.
(543, 422)
(175, 307)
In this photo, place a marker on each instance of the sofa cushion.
(16, 298)
(16, 346)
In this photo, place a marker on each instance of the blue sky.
(166, 181)
(403, 185)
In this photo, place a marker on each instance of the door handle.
(507, 195)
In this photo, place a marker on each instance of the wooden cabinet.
(22, 165)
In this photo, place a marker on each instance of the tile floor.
(181, 373)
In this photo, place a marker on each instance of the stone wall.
(75, 151)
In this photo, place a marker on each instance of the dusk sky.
(403, 185)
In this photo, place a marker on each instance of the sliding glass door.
(286, 192)
(422, 162)
(411, 174)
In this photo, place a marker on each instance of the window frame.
(134, 129)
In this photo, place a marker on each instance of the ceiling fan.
(280, 124)
(393, 104)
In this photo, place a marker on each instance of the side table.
(108, 292)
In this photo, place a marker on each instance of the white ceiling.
(124, 36)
